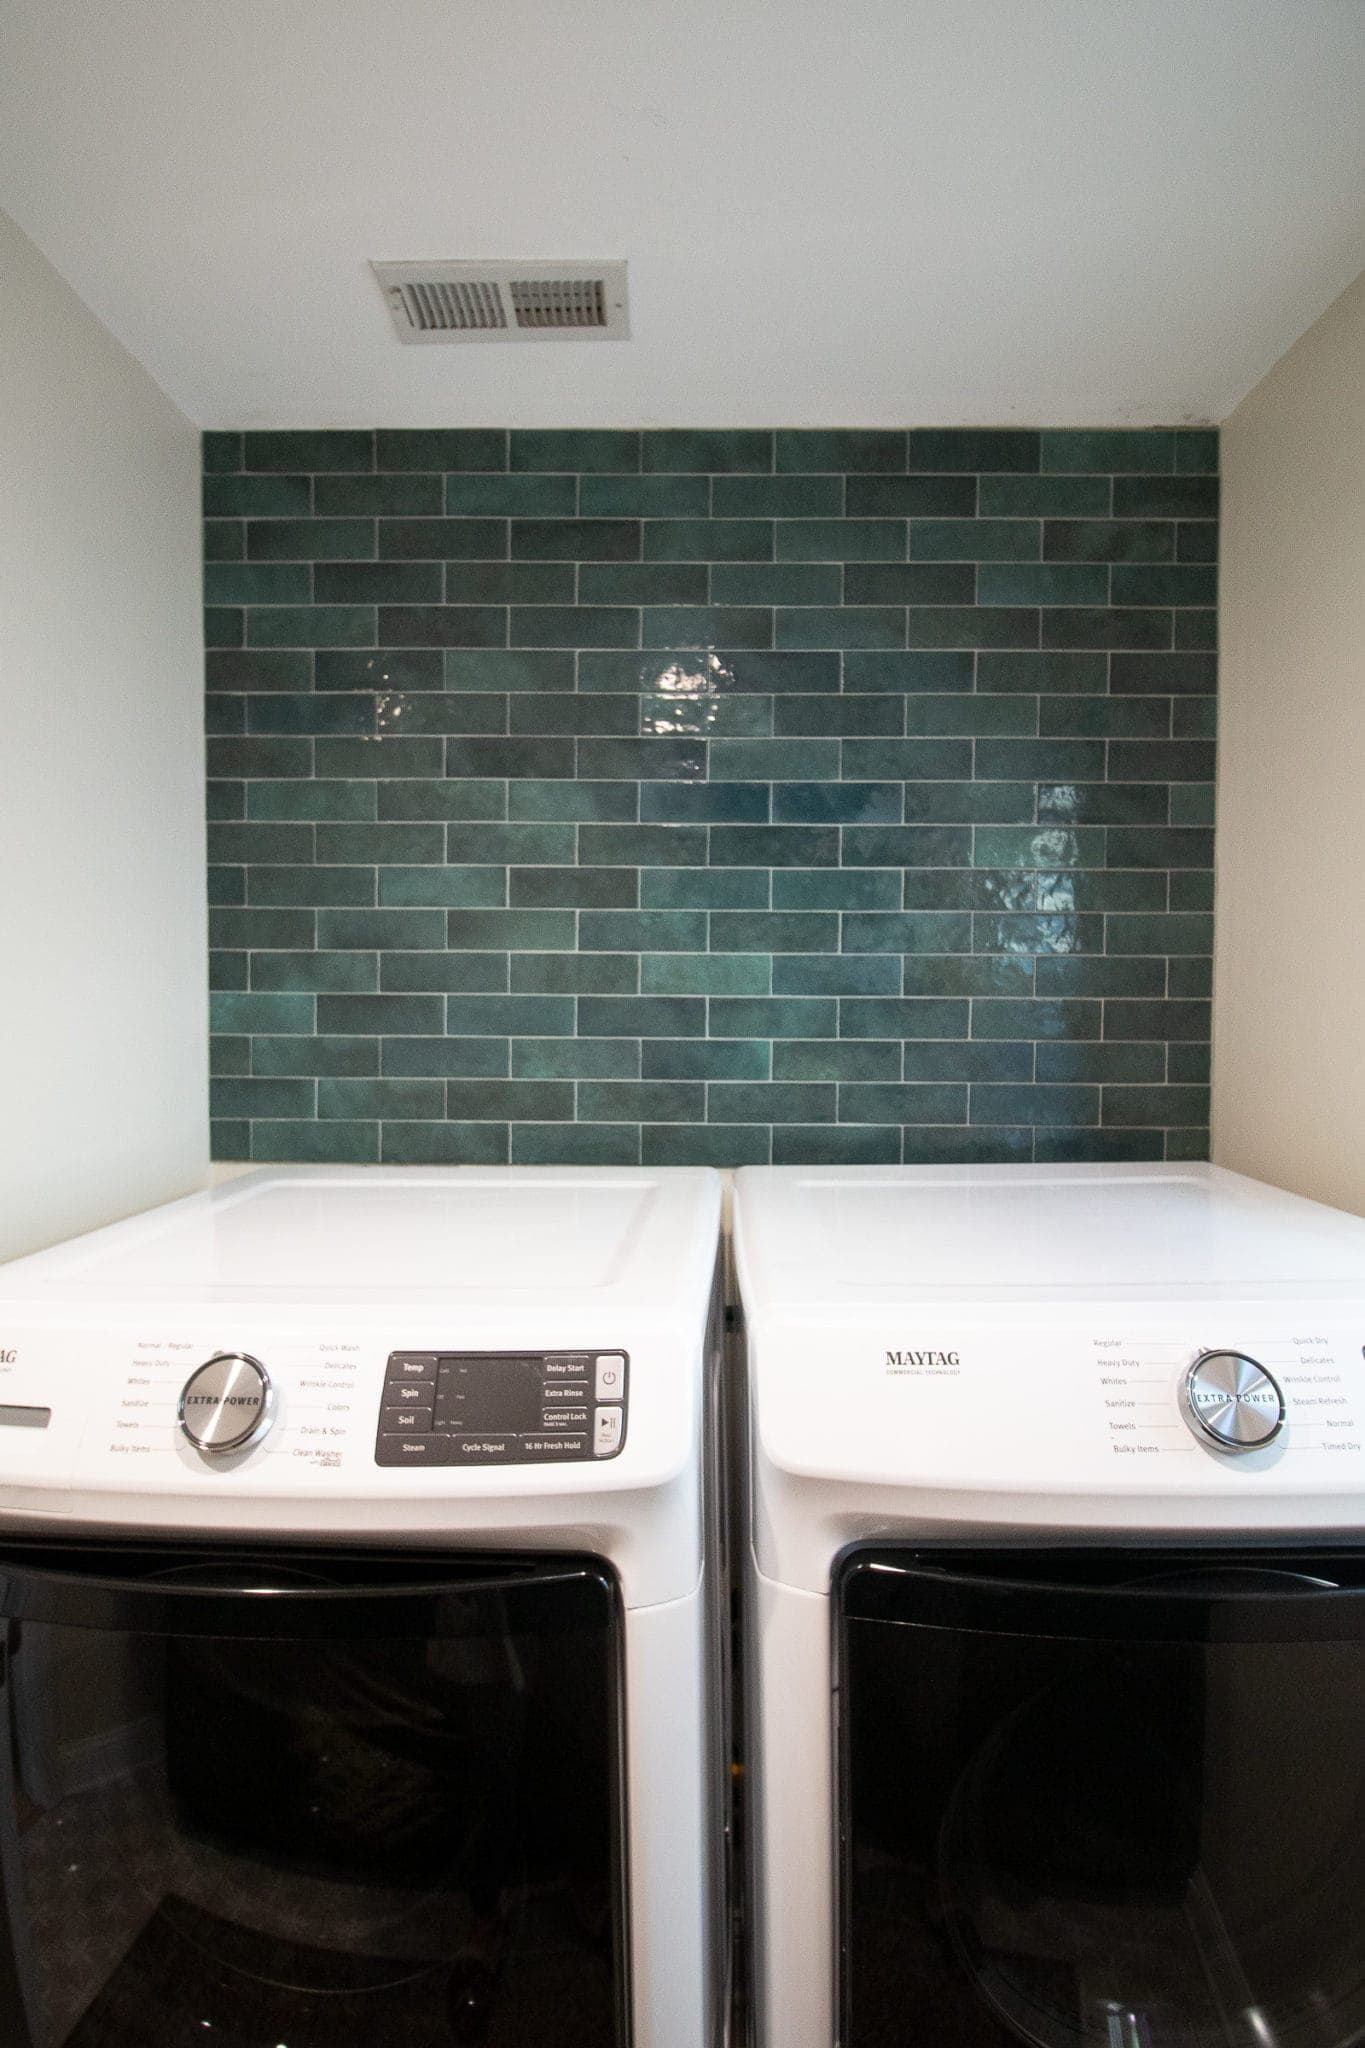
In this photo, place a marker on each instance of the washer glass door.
(1101, 1801)
(367, 1801)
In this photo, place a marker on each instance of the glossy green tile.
(511, 1101)
(849, 626)
(1148, 1106)
(513, 1016)
(1037, 846)
(771, 1102)
(1192, 978)
(884, 1017)
(1173, 933)
(833, 1059)
(1164, 583)
(517, 755)
(835, 974)
(588, 974)
(220, 452)
(834, 1145)
(1105, 717)
(849, 449)
(260, 840)
(644, 497)
(242, 583)
(255, 670)
(777, 497)
(437, 540)
(642, 1016)
(707, 540)
(744, 846)
(544, 716)
(1045, 497)
(576, 1059)
(1106, 628)
(1182, 1019)
(680, 1102)
(444, 1144)
(915, 1102)
(655, 583)
(447, 1058)
(224, 540)
(575, 1144)
(975, 540)
(308, 451)
(837, 803)
(1118, 450)
(436, 972)
(1196, 629)
(1052, 1105)
(846, 888)
(1196, 450)
(273, 1098)
(576, 888)
(358, 497)
(1161, 761)
(418, 1099)
(508, 669)
(1040, 583)
(703, 626)
(760, 931)
(1059, 1019)
(533, 931)
(1166, 497)
(442, 887)
(698, 1145)
(773, 1017)
(734, 888)
(311, 713)
(698, 803)
(910, 583)
(715, 450)
(299, 1143)
(466, 799)
(510, 582)
(1100, 540)
(587, 450)
(840, 540)
(370, 583)
(313, 886)
(570, 801)
(224, 626)
(577, 540)
(441, 448)
(318, 625)
(1196, 540)
(543, 625)
(907, 932)
(318, 1056)
(911, 497)
(772, 583)
(774, 760)
(705, 1060)
(652, 759)
(635, 931)
(927, 974)
(237, 926)
(913, 760)
(385, 671)
(510, 497)
(286, 1014)
(852, 716)
(987, 626)
(641, 846)
(973, 448)
(705, 974)
(257, 497)
(310, 540)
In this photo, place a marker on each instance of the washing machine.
(364, 1644)
(1056, 1579)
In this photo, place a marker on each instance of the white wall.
(1289, 983)
(102, 923)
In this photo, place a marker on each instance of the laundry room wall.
(1289, 1050)
(725, 797)
(103, 1080)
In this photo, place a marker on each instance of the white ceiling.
(860, 212)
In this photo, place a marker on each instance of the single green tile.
(975, 540)
(436, 540)
(1103, 540)
(368, 1016)
(852, 716)
(708, 540)
(1011, 1018)
(833, 1059)
(444, 1144)
(644, 497)
(1036, 846)
(253, 670)
(575, 888)
(311, 713)
(309, 450)
(973, 448)
(1196, 629)
(928, 975)
(466, 625)
(1173, 933)
(910, 760)
(641, 1016)
(224, 540)
(835, 974)
(1190, 889)
(774, 931)
(284, 1014)
(910, 583)
(1117, 450)
(836, 1145)
(577, 540)
(1054, 1106)
(863, 626)
(576, 1059)
(1165, 497)
(511, 497)
(1074, 803)
(534, 931)
(463, 800)
(336, 625)
(1183, 583)
(589, 449)
(551, 1101)
(1045, 497)
(253, 1098)
(1099, 1063)
(985, 626)
(1034, 933)
(703, 626)
(235, 925)
(510, 582)
(771, 1102)
(641, 845)
(693, 1059)
(679, 1102)
(261, 840)
(382, 755)
(310, 540)
(263, 758)
(1189, 978)
(840, 540)
(883, 672)
(241, 583)
(447, 1058)
(770, 760)
(1196, 451)
(1089, 889)
(227, 970)
(775, 846)
(707, 449)
(226, 886)
(837, 889)
(779, 497)
(232, 1056)
(702, 974)
(907, 846)
(224, 626)
(256, 497)
(384, 671)
(675, 888)
(1043, 583)
(220, 452)
(462, 713)
(771, 583)
(1111, 628)
(912, 1102)
(1164, 674)
(328, 1143)
(1196, 540)
(723, 1145)
(346, 1098)
(805, 448)
(664, 760)
(1161, 761)
(1169, 1020)
(573, 626)
(968, 1060)
(1190, 1064)
(381, 930)
(965, 716)
(569, 801)
(911, 497)
(1126, 1107)
(519, 843)
(736, 803)
(773, 1017)
(575, 1144)
(837, 803)
(508, 669)
(514, 756)
(635, 931)
(349, 583)
(513, 1016)
(567, 712)
(643, 583)
(1049, 672)
(225, 800)
(1193, 804)
(386, 842)
(910, 931)
(390, 497)
(434, 972)
(1105, 717)
(441, 448)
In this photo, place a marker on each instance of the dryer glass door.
(309, 1801)
(1110, 1800)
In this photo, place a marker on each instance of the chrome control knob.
(227, 1404)
(1231, 1403)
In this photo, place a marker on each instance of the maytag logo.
(908, 1361)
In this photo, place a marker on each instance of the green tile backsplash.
(722, 796)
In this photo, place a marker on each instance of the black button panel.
(502, 1407)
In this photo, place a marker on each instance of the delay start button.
(227, 1404)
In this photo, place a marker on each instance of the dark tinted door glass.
(1103, 1817)
(330, 1817)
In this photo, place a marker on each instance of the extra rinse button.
(227, 1404)
(1231, 1403)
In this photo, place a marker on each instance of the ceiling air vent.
(505, 301)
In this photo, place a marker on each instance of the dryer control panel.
(502, 1407)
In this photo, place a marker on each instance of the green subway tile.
(679, 1102)
(957, 975)
(1181, 933)
(224, 626)
(461, 888)
(652, 759)
(1039, 1104)
(349, 583)
(224, 540)
(849, 626)
(446, 1058)
(851, 716)
(635, 931)
(532, 931)
(641, 1016)
(1118, 450)
(436, 540)
(256, 497)
(1192, 978)
(1161, 761)
(708, 540)
(314, 1055)
(837, 803)
(1036, 846)
(703, 626)
(772, 583)
(985, 626)
(1190, 889)
(311, 713)
(1125, 1107)
(1048, 672)
(914, 1102)
(773, 1017)
(1165, 497)
(968, 1060)
(517, 844)
(462, 800)
(835, 1145)
(329, 1143)
(973, 448)
(1075, 803)
(314, 886)
(380, 930)
(381, 1098)
(707, 449)
(227, 970)
(241, 669)
(1108, 628)
(835, 974)
(461, 712)
(772, 760)
(226, 886)
(235, 925)
(252, 839)
(1196, 629)
(1196, 450)
(911, 497)
(516, 755)
(881, 672)
(1100, 540)
(840, 540)
(704, 974)
(693, 1059)
(1075, 583)
(1045, 497)
(310, 540)
(513, 1016)
(776, 846)
(258, 582)
(966, 716)
(220, 452)
(642, 845)
(571, 713)
(230, 1097)
(384, 671)
(287, 1014)
(545, 1101)
(444, 1144)
(578, 974)
(644, 583)
(1035, 760)
(574, 448)
(1073, 1145)
(510, 497)
(846, 888)
(670, 803)
(390, 497)
(576, 1059)
(1037, 932)
(508, 669)
(415, 1016)
(510, 582)
(327, 450)
(777, 497)
(883, 1017)
(542, 625)
(1100, 1063)
(225, 800)
(1101, 889)
(224, 716)
(907, 932)
(576, 540)
(771, 1102)
(585, 888)
(833, 1059)
(1196, 540)
(727, 1145)
(975, 540)
(909, 583)
(434, 972)
(1105, 717)
(466, 625)
(311, 626)
(589, 801)
(1038, 1020)
(575, 1144)
(734, 888)
(1164, 583)
(263, 758)
(1190, 1064)
(644, 497)
(910, 760)
(442, 448)
(762, 931)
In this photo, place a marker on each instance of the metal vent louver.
(455, 301)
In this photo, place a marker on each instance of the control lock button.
(611, 1377)
(606, 1436)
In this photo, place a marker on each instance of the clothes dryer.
(1056, 1595)
(363, 1631)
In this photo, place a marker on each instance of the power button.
(611, 1377)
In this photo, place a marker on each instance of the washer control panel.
(1231, 1402)
(502, 1407)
